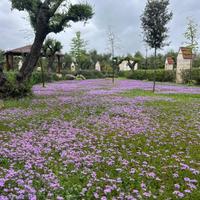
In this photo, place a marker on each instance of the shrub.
(48, 77)
(90, 74)
(123, 73)
(161, 75)
(66, 72)
(37, 77)
(12, 90)
(195, 76)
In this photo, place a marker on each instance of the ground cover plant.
(95, 140)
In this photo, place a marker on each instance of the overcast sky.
(122, 15)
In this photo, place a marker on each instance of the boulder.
(70, 77)
(80, 77)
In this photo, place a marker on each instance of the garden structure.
(23, 52)
(184, 62)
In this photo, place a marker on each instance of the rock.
(70, 77)
(59, 75)
(80, 77)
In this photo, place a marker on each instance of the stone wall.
(182, 64)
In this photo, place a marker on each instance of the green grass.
(139, 92)
(159, 148)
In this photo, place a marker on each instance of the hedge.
(91, 74)
(161, 75)
(50, 77)
(36, 77)
(194, 77)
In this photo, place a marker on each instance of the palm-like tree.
(50, 47)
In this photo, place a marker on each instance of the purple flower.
(177, 186)
(2, 182)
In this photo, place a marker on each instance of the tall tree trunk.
(41, 31)
(32, 59)
(132, 65)
(154, 74)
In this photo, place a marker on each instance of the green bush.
(123, 73)
(48, 77)
(12, 90)
(67, 72)
(90, 74)
(161, 75)
(11, 75)
(195, 76)
(37, 77)
(110, 75)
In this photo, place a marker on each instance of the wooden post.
(10, 62)
(59, 65)
(7, 62)
(42, 71)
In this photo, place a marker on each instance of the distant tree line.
(88, 60)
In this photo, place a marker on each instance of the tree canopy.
(154, 22)
(51, 46)
(58, 13)
(1, 56)
(46, 16)
(78, 49)
(192, 34)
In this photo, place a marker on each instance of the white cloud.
(123, 16)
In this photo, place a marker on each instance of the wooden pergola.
(23, 52)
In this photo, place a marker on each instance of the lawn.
(94, 140)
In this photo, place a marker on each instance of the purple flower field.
(94, 140)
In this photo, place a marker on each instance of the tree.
(154, 23)
(192, 35)
(47, 16)
(95, 57)
(1, 57)
(139, 57)
(196, 61)
(112, 45)
(78, 49)
(67, 61)
(106, 63)
(50, 47)
(132, 61)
